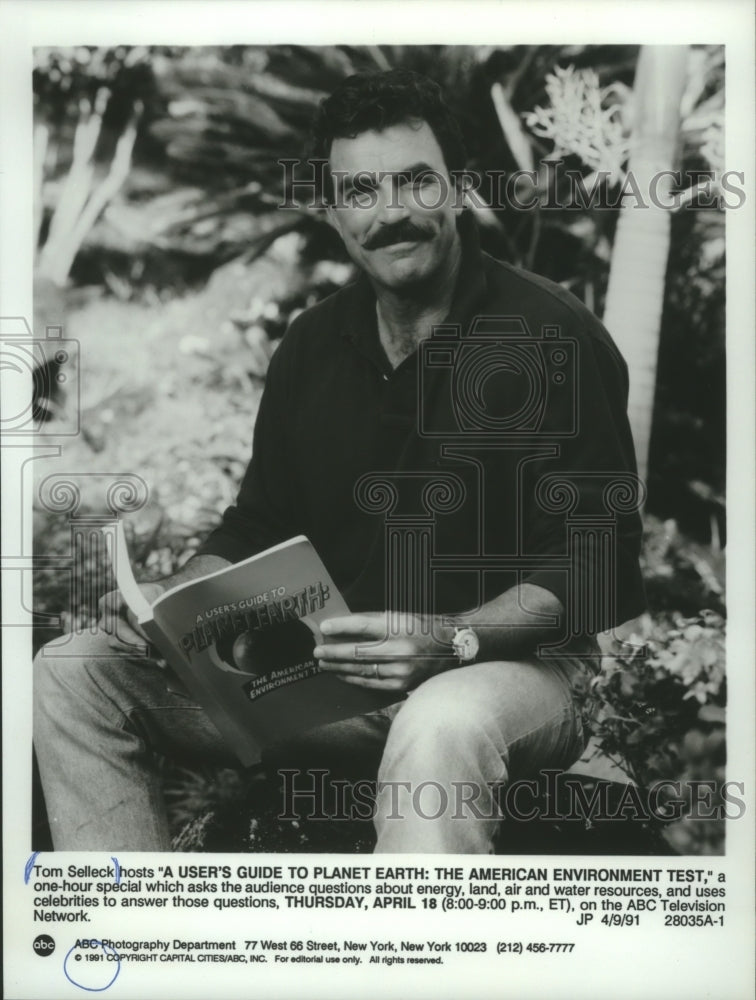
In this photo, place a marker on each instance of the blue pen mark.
(92, 971)
(117, 870)
(29, 865)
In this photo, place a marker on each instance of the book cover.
(241, 639)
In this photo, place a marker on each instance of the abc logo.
(44, 945)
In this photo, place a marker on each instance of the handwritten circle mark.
(92, 967)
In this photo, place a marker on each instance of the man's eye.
(355, 197)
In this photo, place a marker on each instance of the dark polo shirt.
(498, 453)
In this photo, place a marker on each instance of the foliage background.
(181, 286)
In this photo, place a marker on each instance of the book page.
(125, 577)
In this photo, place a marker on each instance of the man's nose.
(392, 203)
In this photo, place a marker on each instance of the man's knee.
(472, 714)
(435, 717)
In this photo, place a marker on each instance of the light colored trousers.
(100, 718)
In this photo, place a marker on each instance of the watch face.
(466, 644)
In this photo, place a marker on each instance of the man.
(473, 445)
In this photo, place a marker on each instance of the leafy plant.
(662, 700)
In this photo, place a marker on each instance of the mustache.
(400, 232)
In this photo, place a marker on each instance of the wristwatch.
(465, 644)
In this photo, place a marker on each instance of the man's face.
(395, 205)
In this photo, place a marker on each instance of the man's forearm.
(515, 623)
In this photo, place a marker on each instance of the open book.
(241, 640)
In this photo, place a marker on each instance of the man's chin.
(404, 273)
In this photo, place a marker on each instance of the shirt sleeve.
(582, 502)
(263, 514)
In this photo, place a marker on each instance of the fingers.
(371, 652)
(115, 620)
(109, 608)
(364, 676)
(372, 626)
(391, 684)
(118, 621)
(362, 669)
(124, 637)
(359, 650)
(133, 622)
(345, 652)
(388, 676)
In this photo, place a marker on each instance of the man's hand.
(384, 652)
(117, 619)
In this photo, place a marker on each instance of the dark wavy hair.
(375, 101)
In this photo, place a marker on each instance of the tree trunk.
(635, 295)
(81, 202)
